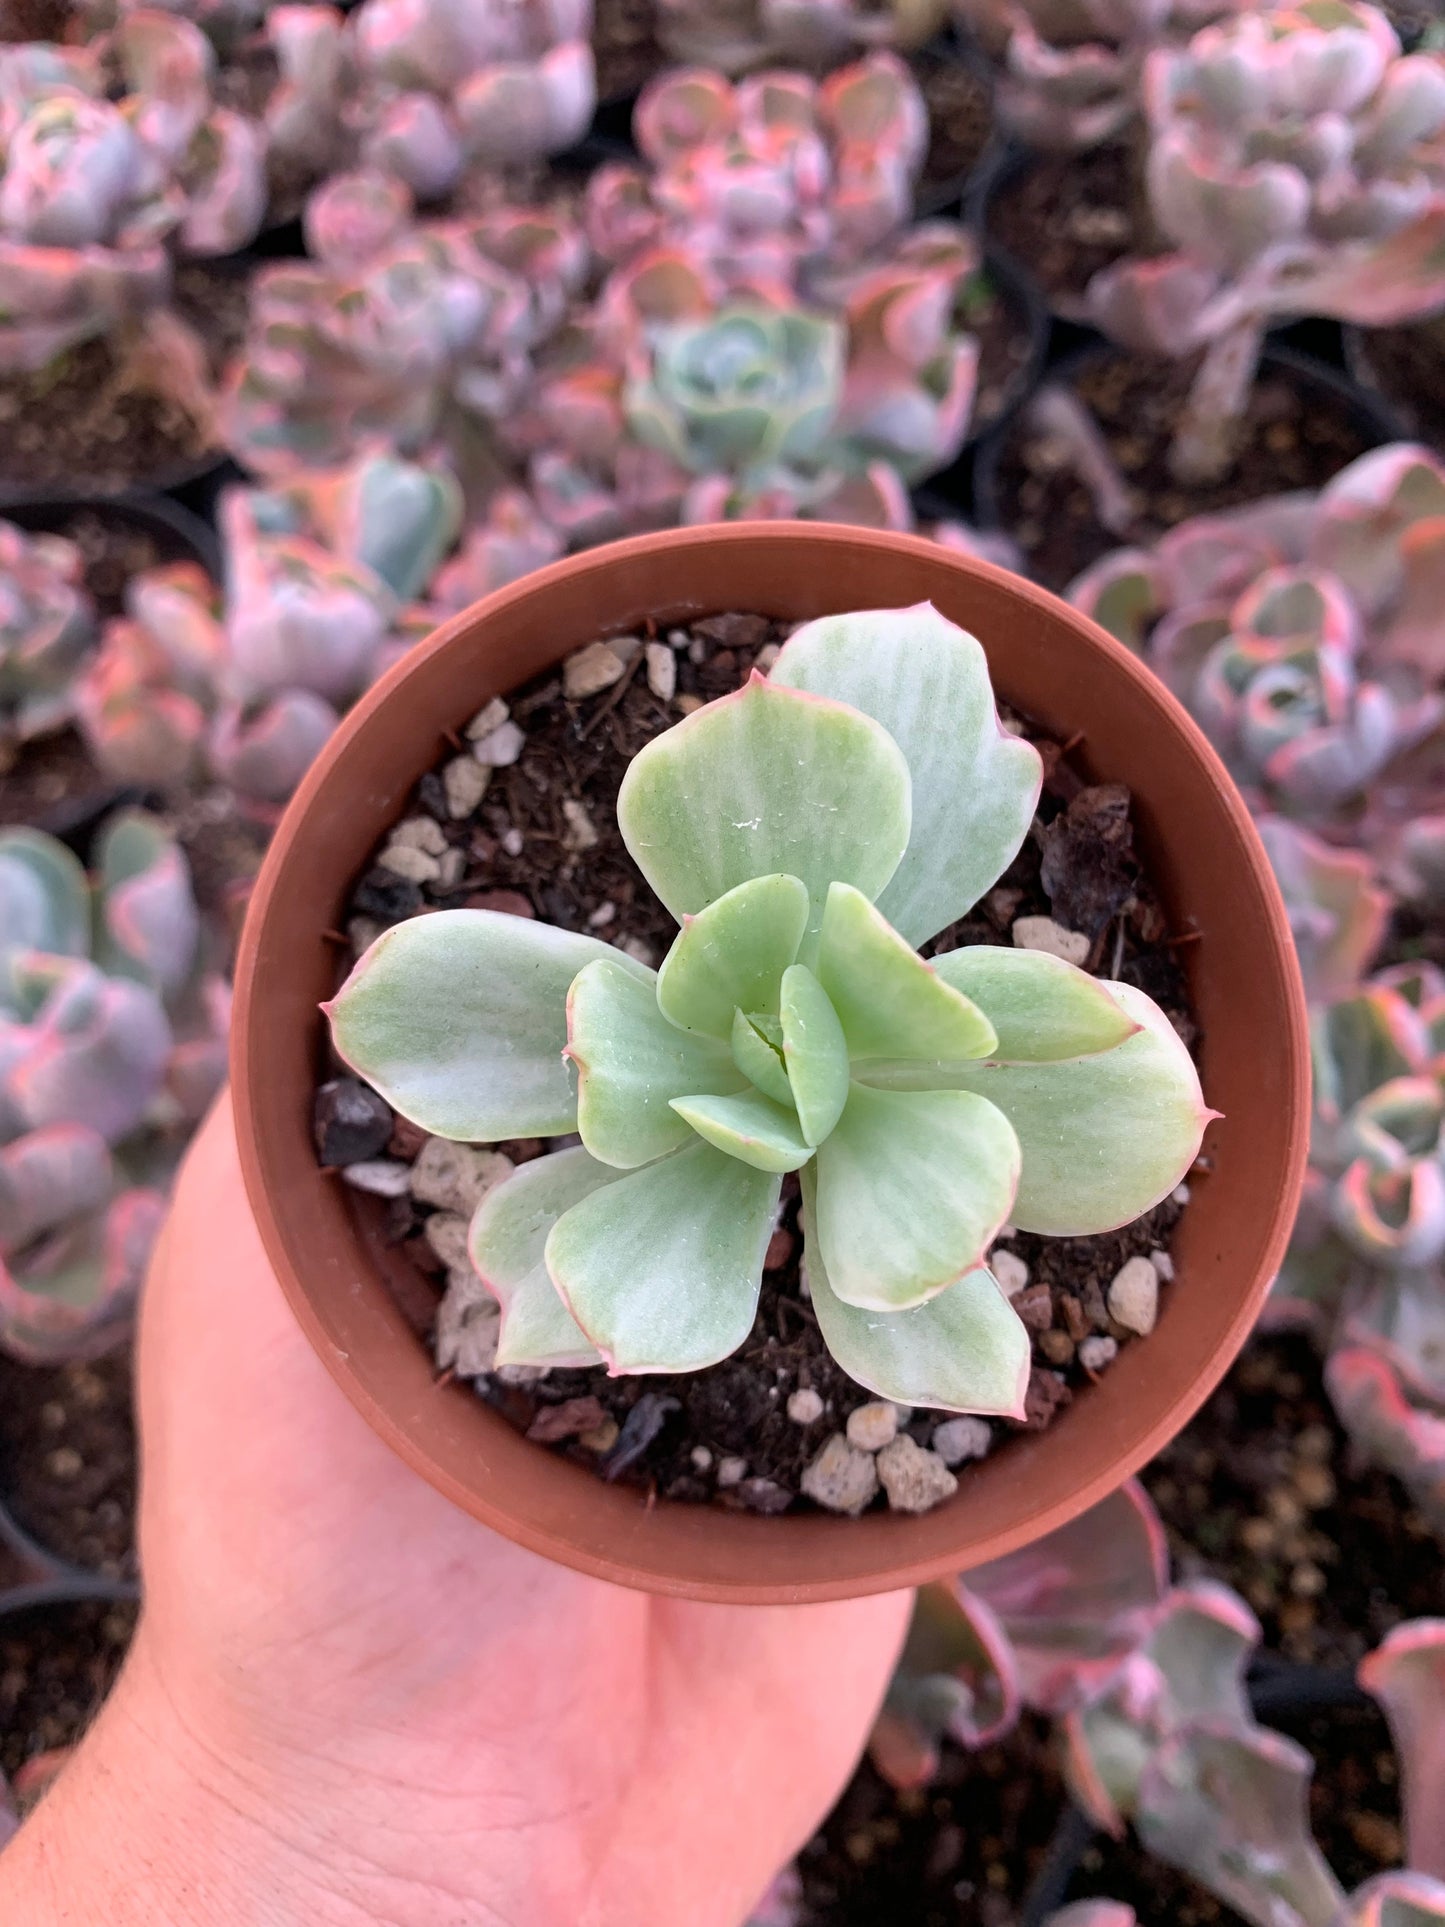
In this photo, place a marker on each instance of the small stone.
(1042, 933)
(379, 1176)
(1315, 1486)
(780, 1249)
(420, 833)
(873, 1426)
(64, 1463)
(487, 720)
(1134, 1296)
(416, 866)
(639, 951)
(1035, 1308)
(841, 1478)
(697, 651)
(731, 1471)
(764, 1495)
(1180, 1194)
(1164, 1265)
(958, 1439)
(678, 638)
(1010, 1270)
(1095, 1353)
(521, 1374)
(701, 1459)
(507, 903)
(603, 1438)
(689, 703)
(501, 749)
(624, 646)
(766, 657)
(446, 1233)
(661, 671)
(456, 1177)
(1057, 1347)
(362, 933)
(465, 781)
(1047, 1394)
(449, 869)
(590, 671)
(512, 842)
(406, 1140)
(915, 1480)
(349, 1121)
(604, 914)
(581, 832)
(468, 1322)
(805, 1407)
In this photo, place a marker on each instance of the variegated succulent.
(807, 832)
(47, 628)
(1296, 165)
(111, 1044)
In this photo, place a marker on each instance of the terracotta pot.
(1201, 849)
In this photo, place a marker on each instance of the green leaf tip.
(732, 954)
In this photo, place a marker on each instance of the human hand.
(348, 1702)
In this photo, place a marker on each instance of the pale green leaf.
(1042, 1008)
(912, 1188)
(889, 1001)
(756, 1058)
(732, 955)
(975, 788)
(631, 1063)
(44, 898)
(760, 783)
(749, 1126)
(508, 1242)
(459, 1019)
(1104, 1138)
(662, 1269)
(815, 1052)
(965, 1350)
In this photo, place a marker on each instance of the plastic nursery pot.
(31, 1575)
(1202, 850)
(179, 535)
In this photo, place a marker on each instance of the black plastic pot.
(44, 1579)
(1408, 427)
(179, 534)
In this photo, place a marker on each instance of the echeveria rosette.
(808, 831)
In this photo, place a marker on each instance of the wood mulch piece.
(67, 1459)
(1296, 435)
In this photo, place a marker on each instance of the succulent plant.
(96, 986)
(814, 34)
(1296, 166)
(1406, 1674)
(807, 832)
(47, 628)
(1337, 911)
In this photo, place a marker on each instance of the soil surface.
(67, 1459)
(80, 424)
(57, 1664)
(625, 47)
(544, 841)
(960, 117)
(1067, 216)
(993, 312)
(211, 296)
(1295, 435)
(1407, 365)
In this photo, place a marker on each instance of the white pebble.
(697, 650)
(1134, 1296)
(915, 1480)
(602, 916)
(512, 842)
(731, 1471)
(591, 670)
(678, 638)
(1180, 1194)
(465, 781)
(488, 719)
(420, 833)
(1097, 1352)
(521, 1374)
(1010, 1270)
(841, 1478)
(581, 833)
(689, 704)
(469, 1321)
(963, 1438)
(766, 657)
(362, 933)
(639, 951)
(873, 1426)
(446, 1233)
(449, 869)
(382, 1177)
(661, 671)
(1042, 933)
(805, 1407)
(501, 748)
(624, 646)
(404, 861)
(701, 1458)
(456, 1177)
(1164, 1265)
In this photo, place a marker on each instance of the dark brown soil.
(78, 424)
(113, 549)
(960, 116)
(625, 47)
(56, 1666)
(211, 297)
(1407, 365)
(1066, 216)
(1296, 435)
(22, 20)
(676, 1431)
(991, 311)
(67, 1459)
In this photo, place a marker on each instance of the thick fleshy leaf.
(974, 786)
(662, 1269)
(889, 1001)
(1406, 1674)
(148, 926)
(508, 1242)
(761, 783)
(748, 1126)
(755, 1057)
(1104, 1138)
(912, 1188)
(1042, 1008)
(966, 1350)
(815, 1052)
(459, 1019)
(631, 1063)
(732, 955)
(44, 899)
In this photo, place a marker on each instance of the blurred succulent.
(510, 541)
(47, 628)
(792, 1027)
(1296, 165)
(95, 984)
(304, 114)
(497, 83)
(815, 34)
(1406, 1674)
(1337, 911)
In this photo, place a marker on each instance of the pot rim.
(686, 1571)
